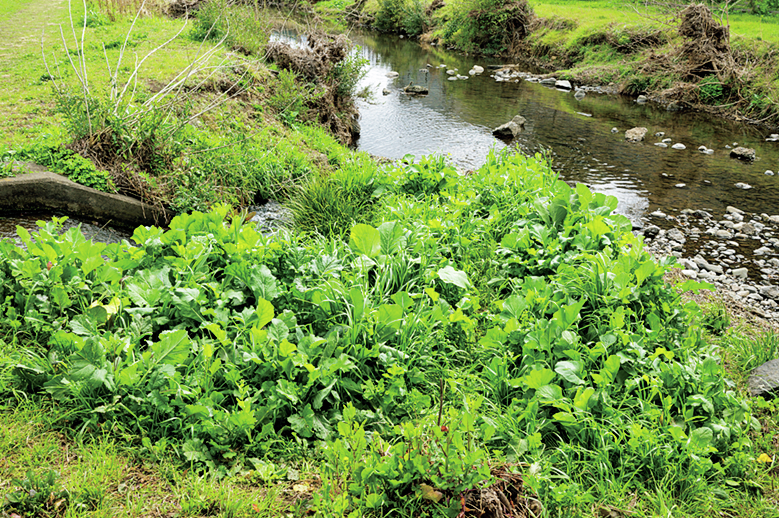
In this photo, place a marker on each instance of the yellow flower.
(765, 459)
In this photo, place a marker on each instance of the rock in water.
(392, 75)
(476, 70)
(565, 85)
(511, 129)
(635, 134)
(415, 89)
(764, 379)
(579, 95)
(743, 153)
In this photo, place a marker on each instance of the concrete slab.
(44, 190)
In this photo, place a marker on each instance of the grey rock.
(549, 81)
(676, 235)
(733, 210)
(714, 268)
(392, 75)
(565, 85)
(385, 92)
(742, 153)
(511, 129)
(769, 291)
(651, 231)
(764, 379)
(690, 273)
(762, 250)
(740, 273)
(635, 134)
(723, 234)
(416, 89)
(579, 95)
(641, 99)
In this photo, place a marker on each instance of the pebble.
(680, 185)
(678, 146)
(661, 144)
(742, 185)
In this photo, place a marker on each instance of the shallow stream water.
(456, 118)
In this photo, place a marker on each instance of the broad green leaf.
(582, 397)
(513, 307)
(700, 438)
(173, 347)
(538, 378)
(570, 371)
(451, 276)
(365, 240)
(549, 393)
(265, 313)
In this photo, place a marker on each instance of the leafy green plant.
(711, 89)
(37, 494)
(348, 72)
(432, 463)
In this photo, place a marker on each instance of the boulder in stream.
(743, 153)
(565, 85)
(415, 89)
(511, 129)
(764, 380)
(635, 134)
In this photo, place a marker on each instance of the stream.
(456, 119)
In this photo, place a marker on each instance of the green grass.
(105, 478)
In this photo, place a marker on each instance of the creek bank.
(738, 253)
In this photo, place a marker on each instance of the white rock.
(661, 144)
(689, 273)
(680, 185)
(742, 185)
(392, 75)
(769, 172)
(565, 85)
(678, 146)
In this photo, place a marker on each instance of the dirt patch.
(317, 64)
(507, 497)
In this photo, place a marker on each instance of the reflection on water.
(457, 118)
